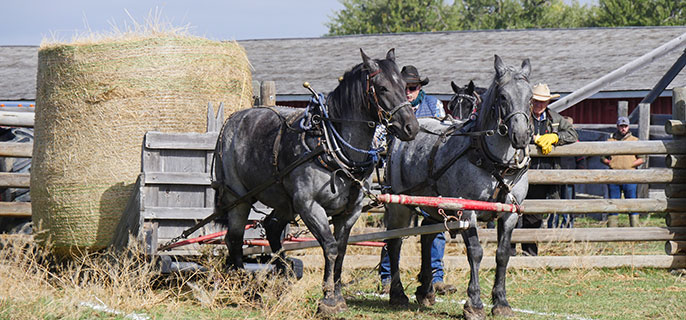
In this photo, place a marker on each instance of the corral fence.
(673, 205)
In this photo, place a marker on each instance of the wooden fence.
(674, 176)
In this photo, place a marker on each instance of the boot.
(633, 220)
(612, 221)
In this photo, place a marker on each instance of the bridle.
(459, 98)
(384, 117)
(520, 160)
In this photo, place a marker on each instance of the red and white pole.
(448, 203)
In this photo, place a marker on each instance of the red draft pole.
(448, 203)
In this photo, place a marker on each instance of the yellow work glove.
(546, 142)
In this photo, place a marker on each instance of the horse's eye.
(382, 89)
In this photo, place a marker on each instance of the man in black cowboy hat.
(424, 105)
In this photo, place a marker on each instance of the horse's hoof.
(471, 313)
(328, 307)
(399, 300)
(502, 311)
(426, 300)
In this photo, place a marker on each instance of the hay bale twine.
(94, 103)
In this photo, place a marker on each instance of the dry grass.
(124, 285)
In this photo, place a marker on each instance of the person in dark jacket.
(550, 129)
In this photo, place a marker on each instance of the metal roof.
(566, 59)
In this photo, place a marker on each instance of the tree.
(613, 13)
(391, 16)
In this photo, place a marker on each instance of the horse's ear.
(470, 87)
(456, 89)
(526, 67)
(390, 55)
(369, 63)
(500, 67)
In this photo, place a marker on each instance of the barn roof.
(566, 59)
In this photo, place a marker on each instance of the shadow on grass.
(387, 311)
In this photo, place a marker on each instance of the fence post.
(622, 109)
(677, 191)
(644, 134)
(256, 91)
(268, 93)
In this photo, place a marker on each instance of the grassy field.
(122, 286)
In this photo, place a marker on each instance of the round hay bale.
(94, 103)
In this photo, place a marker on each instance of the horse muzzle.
(403, 123)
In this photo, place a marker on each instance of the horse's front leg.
(397, 216)
(506, 224)
(474, 307)
(342, 225)
(315, 218)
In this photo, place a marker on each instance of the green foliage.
(612, 13)
(392, 16)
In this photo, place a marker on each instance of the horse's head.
(512, 99)
(386, 94)
(465, 100)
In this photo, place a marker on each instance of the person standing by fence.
(424, 106)
(622, 162)
(550, 129)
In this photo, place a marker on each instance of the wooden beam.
(16, 149)
(675, 161)
(601, 148)
(15, 209)
(530, 206)
(675, 127)
(517, 262)
(675, 190)
(676, 219)
(586, 176)
(675, 247)
(583, 206)
(17, 119)
(15, 179)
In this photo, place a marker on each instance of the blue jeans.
(616, 190)
(563, 220)
(437, 251)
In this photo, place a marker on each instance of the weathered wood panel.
(601, 148)
(562, 176)
(15, 179)
(15, 209)
(16, 149)
(181, 141)
(17, 119)
(188, 178)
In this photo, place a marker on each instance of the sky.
(28, 22)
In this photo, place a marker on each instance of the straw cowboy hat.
(542, 92)
(411, 75)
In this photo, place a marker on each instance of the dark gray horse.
(258, 144)
(446, 162)
(465, 101)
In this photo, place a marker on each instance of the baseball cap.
(622, 121)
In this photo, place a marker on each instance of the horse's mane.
(351, 90)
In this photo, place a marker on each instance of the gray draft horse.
(256, 144)
(472, 166)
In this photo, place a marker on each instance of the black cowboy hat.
(411, 75)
